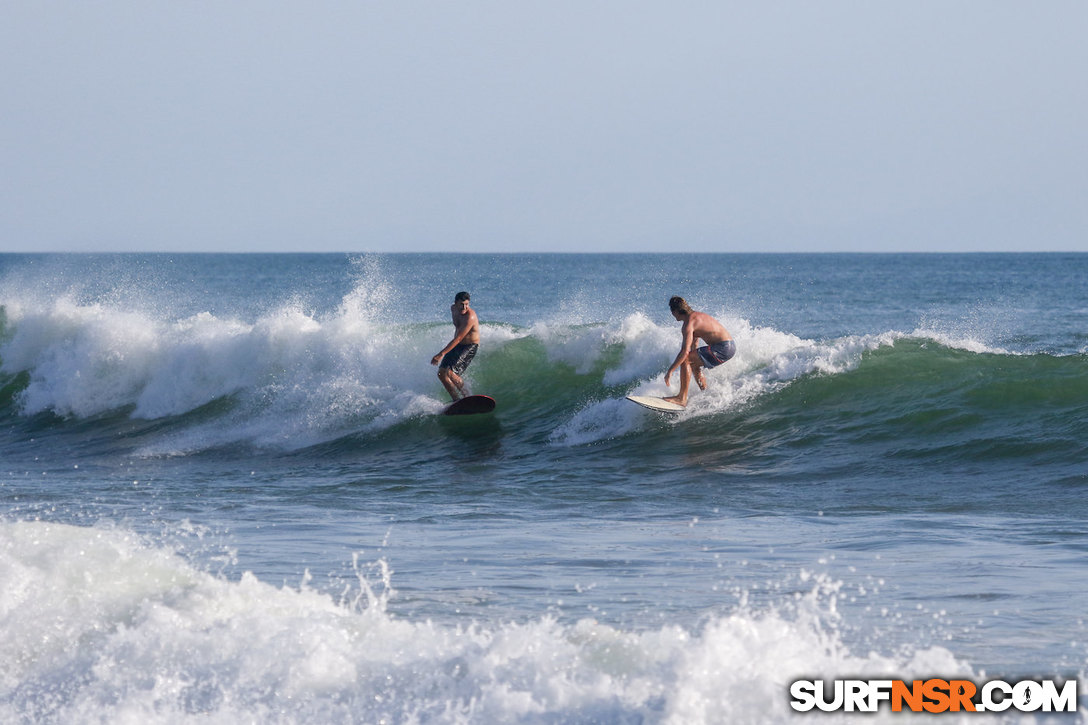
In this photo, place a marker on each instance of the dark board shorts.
(714, 355)
(459, 357)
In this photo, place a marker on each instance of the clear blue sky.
(553, 126)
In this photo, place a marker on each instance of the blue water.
(226, 494)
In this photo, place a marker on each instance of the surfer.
(458, 353)
(691, 360)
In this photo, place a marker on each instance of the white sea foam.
(968, 343)
(82, 359)
(98, 625)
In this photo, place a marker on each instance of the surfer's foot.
(700, 380)
(675, 399)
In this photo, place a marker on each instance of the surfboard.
(657, 404)
(470, 405)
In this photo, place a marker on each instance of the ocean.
(226, 494)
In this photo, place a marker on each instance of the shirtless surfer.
(718, 349)
(458, 353)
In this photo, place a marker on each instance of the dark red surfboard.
(470, 405)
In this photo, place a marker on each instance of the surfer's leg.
(697, 370)
(445, 375)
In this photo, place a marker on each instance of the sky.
(373, 126)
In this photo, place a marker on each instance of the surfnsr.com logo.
(934, 696)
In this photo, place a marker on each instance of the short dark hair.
(461, 296)
(679, 304)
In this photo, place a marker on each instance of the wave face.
(291, 378)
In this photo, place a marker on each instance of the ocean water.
(225, 494)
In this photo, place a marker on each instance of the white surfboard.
(659, 404)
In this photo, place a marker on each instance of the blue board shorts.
(714, 355)
(459, 357)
